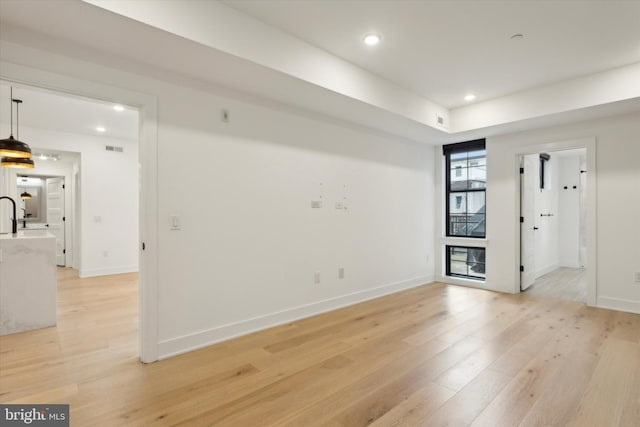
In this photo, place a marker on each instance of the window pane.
(458, 203)
(476, 202)
(458, 178)
(458, 226)
(466, 262)
(460, 157)
(467, 214)
(477, 177)
(459, 268)
(476, 225)
(458, 214)
(467, 177)
(477, 158)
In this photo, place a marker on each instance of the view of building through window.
(466, 262)
(466, 183)
(466, 186)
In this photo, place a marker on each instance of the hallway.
(563, 283)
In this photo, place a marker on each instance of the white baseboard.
(619, 304)
(569, 264)
(545, 270)
(107, 271)
(186, 343)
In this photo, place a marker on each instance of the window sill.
(465, 241)
(454, 280)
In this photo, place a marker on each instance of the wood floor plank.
(466, 404)
(341, 398)
(612, 394)
(386, 389)
(435, 355)
(417, 407)
(557, 404)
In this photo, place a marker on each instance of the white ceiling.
(307, 55)
(443, 50)
(64, 113)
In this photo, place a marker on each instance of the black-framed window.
(465, 261)
(466, 182)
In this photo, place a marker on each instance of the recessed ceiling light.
(118, 107)
(469, 97)
(371, 39)
(517, 37)
(101, 129)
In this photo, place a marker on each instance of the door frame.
(148, 180)
(588, 143)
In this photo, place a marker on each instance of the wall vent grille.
(114, 148)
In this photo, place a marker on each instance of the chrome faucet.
(14, 221)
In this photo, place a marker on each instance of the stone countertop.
(27, 234)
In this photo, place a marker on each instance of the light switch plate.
(174, 222)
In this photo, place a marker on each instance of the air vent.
(114, 148)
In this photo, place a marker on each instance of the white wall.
(108, 223)
(618, 182)
(249, 245)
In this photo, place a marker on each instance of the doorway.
(148, 220)
(553, 224)
(106, 176)
(44, 202)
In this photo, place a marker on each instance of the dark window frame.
(464, 276)
(448, 150)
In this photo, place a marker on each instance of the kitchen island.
(27, 281)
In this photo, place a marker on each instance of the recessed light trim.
(118, 107)
(101, 129)
(372, 39)
(469, 97)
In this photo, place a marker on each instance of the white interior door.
(529, 182)
(55, 215)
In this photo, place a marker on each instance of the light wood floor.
(564, 283)
(436, 355)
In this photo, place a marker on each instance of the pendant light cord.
(18, 102)
(17, 119)
(11, 105)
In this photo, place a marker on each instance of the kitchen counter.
(32, 226)
(27, 281)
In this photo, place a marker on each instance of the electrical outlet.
(637, 276)
(316, 277)
(341, 273)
